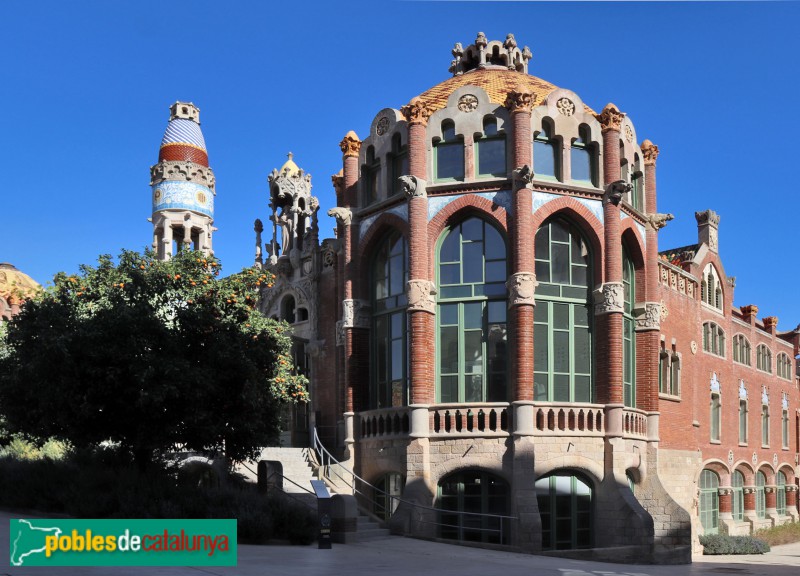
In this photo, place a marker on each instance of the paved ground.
(406, 556)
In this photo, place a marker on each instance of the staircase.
(296, 468)
(367, 529)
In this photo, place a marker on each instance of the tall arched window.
(709, 502)
(741, 350)
(742, 421)
(563, 363)
(764, 358)
(389, 371)
(637, 190)
(449, 157)
(715, 417)
(582, 158)
(471, 317)
(288, 310)
(780, 493)
(713, 339)
(398, 165)
(370, 174)
(467, 499)
(711, 288)
(784, 366)
(737, 498)
(765, 426)
(491, 150)
(565, 507)
(628, 333)
(546, 154)
(761, 501)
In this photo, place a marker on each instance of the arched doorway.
(472, 503)
(565, 507)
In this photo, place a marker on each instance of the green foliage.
(21, 448)
(724, 544)
(783, 534)
(150, 355)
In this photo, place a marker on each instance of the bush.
(724, 544)
(777, 535)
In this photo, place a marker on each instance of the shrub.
(724, 544)
(777, 535)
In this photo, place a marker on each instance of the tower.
(183, 186)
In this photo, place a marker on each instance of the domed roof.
(496, 81)
(16, 285)
(183, 140)
(289, 168)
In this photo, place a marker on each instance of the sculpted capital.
(350, 144)
(609, 298)
(417, 111)
(519, 101)
(610, 118)
(521, 288)
(650, 152)
(421, 295)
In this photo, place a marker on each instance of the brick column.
(609, 298)
(725, 498)
(420, 289)
(343, 218)
(749, 502)
(522, 282)
(791, 498)
(771, 500)
(648, 313)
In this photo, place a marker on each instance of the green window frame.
(472, 342)
(713, 339)
(490, 153)
(742, 421)
(387, 493)
(764, 358)
(449, 155)
(663, 372)
(761, 500)
(741, 349)
(546, 154)
(737, 496)
(563, 350)
(675, 375)
(784, 366)
(628, 332)
(785, 429)
(765, 426)
(780, 493)
(566, 511)
(389, 368)
(370, 174)
(583, 159)
(637, 187)
(716, 406)
(470, 504)
(398, 164)
(709, 502)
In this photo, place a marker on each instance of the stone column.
(648, 313)
(522, 283)
(166, 241)
(609, 298)
(420, 288)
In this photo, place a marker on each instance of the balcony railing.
(634, 423)
(484, 420)
(385, 423)
(568, 420)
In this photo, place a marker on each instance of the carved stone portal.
(609, 298)
(421, 295)
(521, 288)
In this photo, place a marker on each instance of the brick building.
(495, 338)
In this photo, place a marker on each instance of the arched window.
(737, 498)
(742, 421)
(466, 499)
(785, 428)
(715, 417)
(582, 159)
(449, 157)
(628, 333)
(741, 350)
(399, 164)
(637, 190)
(713, 339)
(389, 369)
(565, 507)
(491, 150)
(780, 493)
(765, 426)
(711, 288)
(709, 502)
(761, 502)
(546, 154)
(675, 374)
(471, 315)
(371, 174)
(288, 309)
(784, 366)
(764, 358)
(386, 496)
(563, 362)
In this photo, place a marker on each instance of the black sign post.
(323, 513)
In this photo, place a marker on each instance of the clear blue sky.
(86, 87)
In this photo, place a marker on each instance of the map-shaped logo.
(28, 539)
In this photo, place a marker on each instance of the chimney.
(708, 229)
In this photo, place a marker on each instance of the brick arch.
(747, 471)
(458, 210)
(768, 471)
(788, 471)
(634, 244)
(720, 468)
(384, 225)
(589, 467)
(582, 217)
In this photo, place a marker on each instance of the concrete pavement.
(397, 556)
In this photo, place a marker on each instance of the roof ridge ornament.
(483, 54)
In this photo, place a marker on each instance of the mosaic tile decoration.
(178, 195)
(502, 198)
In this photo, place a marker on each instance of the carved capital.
(658, 221)
(615, 191)
(355, 314)
(769, 489)
(648, 316)
(343, 215)
(791, 488)
(413, 187)
(421, 295)
(521, 288)
(522, 176)
(649, 152)
(724, 491)
(770, 322)
(519, 101)
(350, 144)
(338, 182)
(609, 298)
(749, 490)
(610, 118)
(417, 111)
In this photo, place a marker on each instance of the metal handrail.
(327, 460)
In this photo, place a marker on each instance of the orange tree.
(152, 356)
